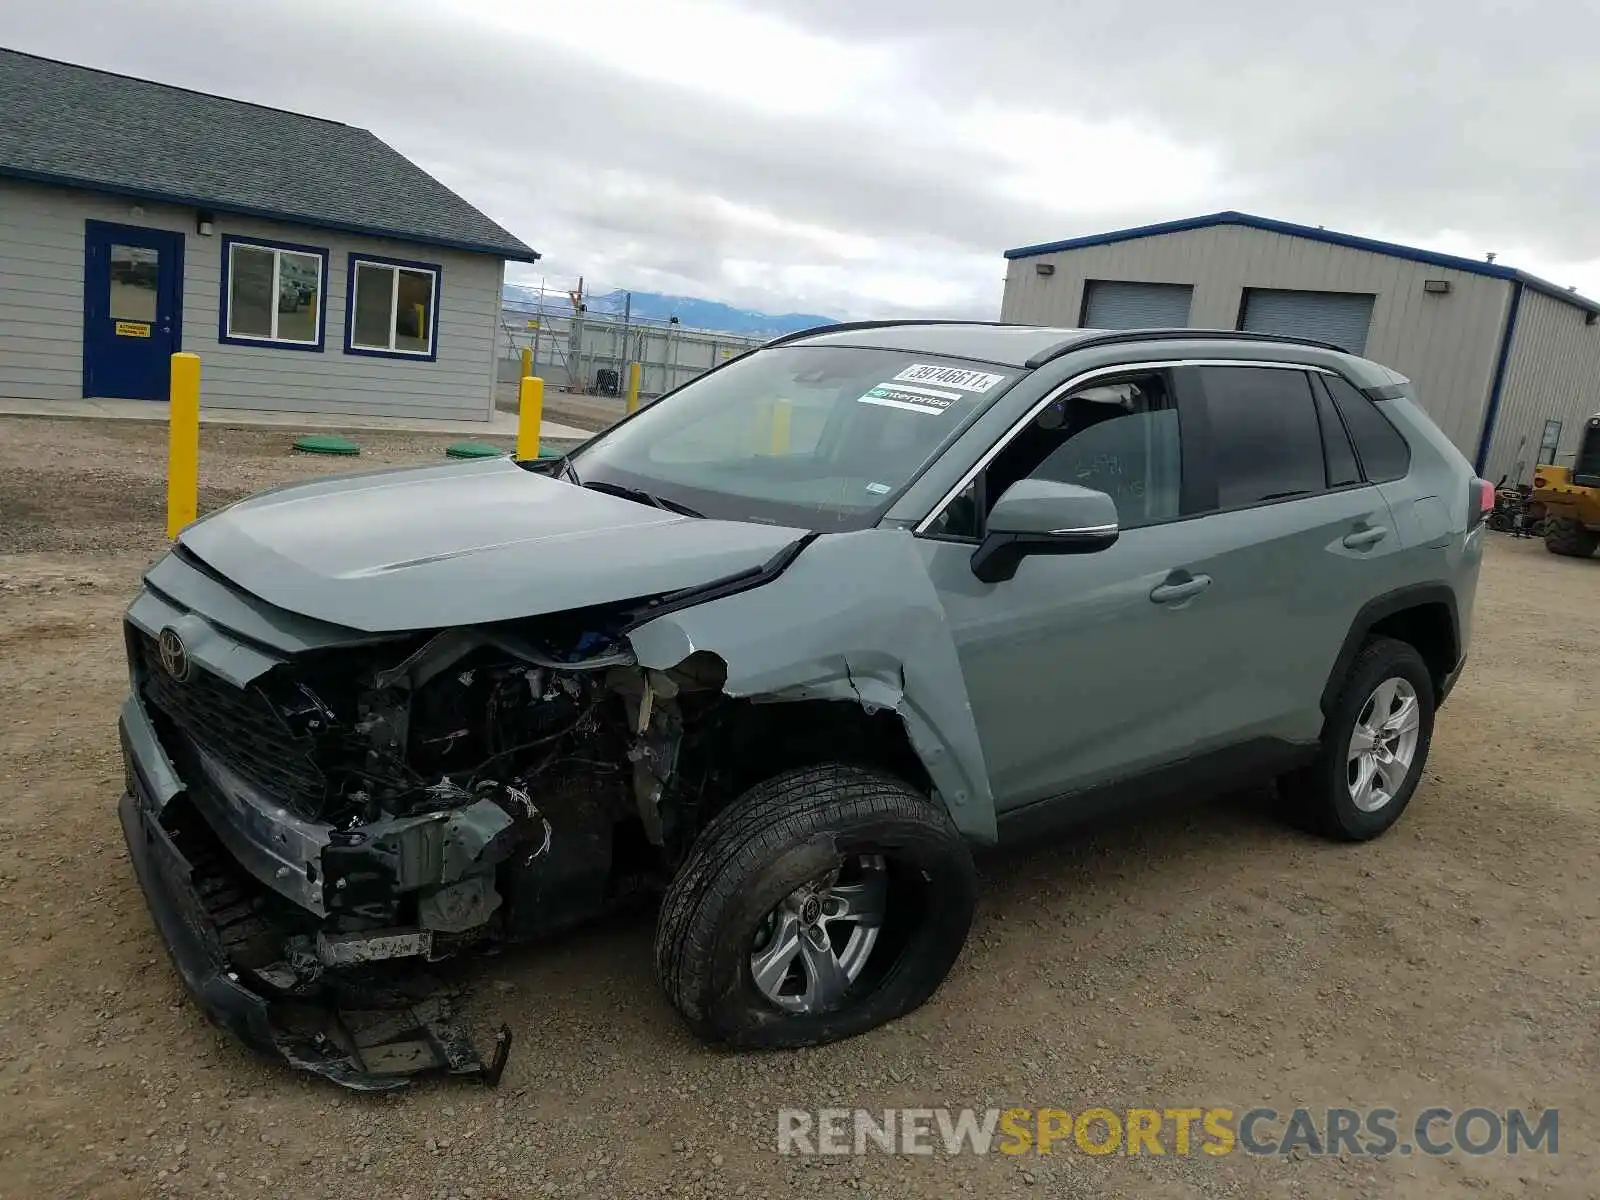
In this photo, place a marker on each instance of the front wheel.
(1568, 537)
(820, 904)
(1374, 744)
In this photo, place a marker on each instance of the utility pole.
(622, 350)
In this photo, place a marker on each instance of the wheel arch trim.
(1377, 610)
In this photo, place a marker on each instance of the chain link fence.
(589, 352)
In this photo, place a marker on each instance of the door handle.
(1362, 538)
(1185, 589)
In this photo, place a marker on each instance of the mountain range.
(692, 313)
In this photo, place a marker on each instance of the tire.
(780, 836)
(1320, 797)
(1567, 536)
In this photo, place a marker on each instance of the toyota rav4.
(788, 645)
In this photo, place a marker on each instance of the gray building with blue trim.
(1507, 363)
(312, 267)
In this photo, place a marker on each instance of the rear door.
(1298, 542)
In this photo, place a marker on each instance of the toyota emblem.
(174, 658)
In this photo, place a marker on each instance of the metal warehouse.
(1506, 363)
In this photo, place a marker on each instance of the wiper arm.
(566, 468)
(640, 496)
(674, 506)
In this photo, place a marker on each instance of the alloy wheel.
(1383, 744)
(813, 946)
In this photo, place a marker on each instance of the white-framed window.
(1550, 442)
(273, 293)
(393, 308)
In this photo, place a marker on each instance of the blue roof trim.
(1502, 359)
(1311, 233)
(241, 210)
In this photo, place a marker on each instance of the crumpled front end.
(202, 908)
(320, 814)
(317, 817)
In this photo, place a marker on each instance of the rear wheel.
(1374, 744)
(822, 903)
(1568, 537)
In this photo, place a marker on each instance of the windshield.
(818, 437)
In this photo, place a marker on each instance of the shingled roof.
(78, 127)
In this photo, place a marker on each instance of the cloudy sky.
(874, 157)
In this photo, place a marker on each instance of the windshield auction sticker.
(912, 399)
(956, 377)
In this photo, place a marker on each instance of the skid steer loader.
(1569, 498)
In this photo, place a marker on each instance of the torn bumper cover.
(379, 1044)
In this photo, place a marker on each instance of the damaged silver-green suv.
(788, 644)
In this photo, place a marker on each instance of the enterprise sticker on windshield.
(967, 381)
(912, 399)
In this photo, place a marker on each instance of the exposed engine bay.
(398, 803)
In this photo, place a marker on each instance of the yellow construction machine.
(1568, 498)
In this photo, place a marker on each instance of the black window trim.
(1323, 402)
(1196, 483)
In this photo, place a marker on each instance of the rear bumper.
(349, 1048)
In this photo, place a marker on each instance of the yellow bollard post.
(530, 410)
(183, 443)
(527, 362)
(779, 431)
(634, 375)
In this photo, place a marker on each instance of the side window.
(1120, 438)
(1130, 454)
(1265, 441)
(1337, 451)
(1383, 452)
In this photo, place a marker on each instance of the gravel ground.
(1201, 956)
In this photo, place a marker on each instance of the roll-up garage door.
(1338, 317)
(1108, 304)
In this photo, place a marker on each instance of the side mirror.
(1039, 516)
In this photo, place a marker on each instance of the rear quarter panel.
(1432, 512)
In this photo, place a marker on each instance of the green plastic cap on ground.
(325, 443)
(474, 450)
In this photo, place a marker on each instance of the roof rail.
(1112, 337)
(850, 326)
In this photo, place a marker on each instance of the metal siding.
(1111, 304)
(1552, 374)
(41, 272)
(1342, 318)
(1445, 344)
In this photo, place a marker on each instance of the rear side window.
(1265, 441)
(1383, 452)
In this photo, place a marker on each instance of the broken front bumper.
(368, 1049)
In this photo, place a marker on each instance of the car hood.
(463, 544)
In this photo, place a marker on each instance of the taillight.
(1540, 481)
(1482, 500)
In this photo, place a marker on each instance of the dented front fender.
(854, 617)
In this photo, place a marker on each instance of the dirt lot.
(1203, 957)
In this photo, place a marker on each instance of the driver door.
(1084, 670)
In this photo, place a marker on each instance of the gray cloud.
(1442, 117)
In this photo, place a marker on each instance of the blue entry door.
(132, 316)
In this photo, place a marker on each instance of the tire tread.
(787, 809)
